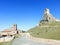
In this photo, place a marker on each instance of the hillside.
(47, 30)
(48, 27)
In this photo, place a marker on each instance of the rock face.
(48, 17)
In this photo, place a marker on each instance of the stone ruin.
(48, 17)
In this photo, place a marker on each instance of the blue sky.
(25, 13)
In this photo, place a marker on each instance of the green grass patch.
(6, 43)
(17, 35)
(50, 32)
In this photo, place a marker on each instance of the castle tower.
(14, 27)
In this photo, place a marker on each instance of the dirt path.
(24, 40)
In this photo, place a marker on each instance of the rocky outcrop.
(48, 17)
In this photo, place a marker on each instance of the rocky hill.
(49, 27)
(48, 17)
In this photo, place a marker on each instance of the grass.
(17, 35)
(6, 43)
(50, 32)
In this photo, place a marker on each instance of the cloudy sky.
(25, 13)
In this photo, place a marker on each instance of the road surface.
(23, 40)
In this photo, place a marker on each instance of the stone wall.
(6, 39)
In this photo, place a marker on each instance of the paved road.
(25, 41)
